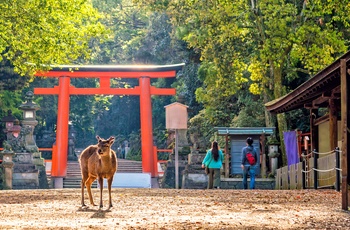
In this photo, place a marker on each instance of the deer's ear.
(111, 140)
(98, 138)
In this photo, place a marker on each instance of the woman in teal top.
(213, 160)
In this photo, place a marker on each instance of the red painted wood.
(79, 74)
(146, 126)
(144, 90)
(59, 157)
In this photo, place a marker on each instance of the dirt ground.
(174, 209)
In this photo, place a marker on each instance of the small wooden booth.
(236, 139)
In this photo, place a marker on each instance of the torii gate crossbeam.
(143, 72)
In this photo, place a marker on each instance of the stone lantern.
(7, 164)
(71, 143)
(9, 122)
(29, 109)
(273, 154)
(7, 153)
(29, 122)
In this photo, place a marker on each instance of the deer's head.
(104, 146)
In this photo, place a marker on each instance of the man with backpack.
(248, 163)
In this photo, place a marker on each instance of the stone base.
(168, 180)
(194, 181)
(236, 183)
(58, 182)
(196, 158)
(27, 180)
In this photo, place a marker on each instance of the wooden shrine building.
(328, 89)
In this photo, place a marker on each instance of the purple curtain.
(290, 141)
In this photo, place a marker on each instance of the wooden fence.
(298, 177)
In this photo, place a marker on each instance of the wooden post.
(313, 129)
(333, 125)
(263, 160)
(337, 167)
(344, 85)
(227, 158)
(303, 173)
(315, 167)
(176, 159)
(155, 161)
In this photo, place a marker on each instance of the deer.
(98, 162)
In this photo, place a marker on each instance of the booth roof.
(245, 130)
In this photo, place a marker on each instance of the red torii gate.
(143, 72)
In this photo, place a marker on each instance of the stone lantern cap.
(9, 117)
(29, 104)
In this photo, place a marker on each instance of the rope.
(325, 153)
(324, 179)
(307, 155)
(307, 171)
(323, 170)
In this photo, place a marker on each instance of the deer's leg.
(88, 184)
(82, 192)
(110, 180)
(100, 181)
(83, 180)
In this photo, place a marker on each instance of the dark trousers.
(214, 178)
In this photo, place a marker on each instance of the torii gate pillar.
(59, 155)
(146, 126)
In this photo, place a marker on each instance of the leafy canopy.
(46, 32)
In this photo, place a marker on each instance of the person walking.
(248, 163)
(213, 160)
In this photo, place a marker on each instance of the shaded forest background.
(238, 55)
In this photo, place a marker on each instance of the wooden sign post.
(176, 118)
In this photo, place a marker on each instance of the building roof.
(175, 104)
(223, 131)
(321, 84)
(123, 71)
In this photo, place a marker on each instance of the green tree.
(36, 33)
(139, 37)
(259, 43)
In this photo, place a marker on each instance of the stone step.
(73, 178)
(123, 166)
(75, 182)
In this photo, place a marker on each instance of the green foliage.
(35, 33)
(261, 35)
(259, 43)
(251, 113)
(10, 100)
(202, 130)
(299, 119)
(135, 147)
(232, 50)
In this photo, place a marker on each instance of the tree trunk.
(269, 118)
(281, 118)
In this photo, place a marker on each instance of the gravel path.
(174, 209)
